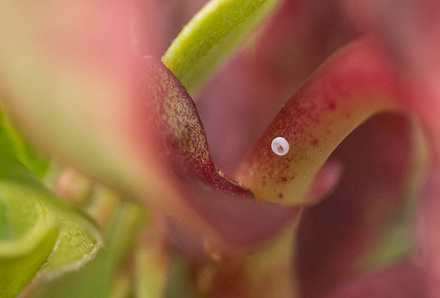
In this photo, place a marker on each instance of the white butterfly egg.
(280, 146)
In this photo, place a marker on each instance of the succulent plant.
(322, 174)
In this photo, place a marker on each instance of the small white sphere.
(280, 146)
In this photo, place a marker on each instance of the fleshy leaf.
(124, 120)
(97, 278)
(179, 130)
(27, 238)
(220, 202)
(210, 36)
(351, 87)
(71, 83)
(119, 118)
(21, 191)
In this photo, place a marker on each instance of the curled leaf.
(27, 238)
(351, 87)
(97, 277)
(122, 119)
(36, 227)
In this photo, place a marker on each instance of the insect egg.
(280, 146)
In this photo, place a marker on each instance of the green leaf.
(11, 140)
(97, 278)
(36, 228)
(210, 36)
(27, 238)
